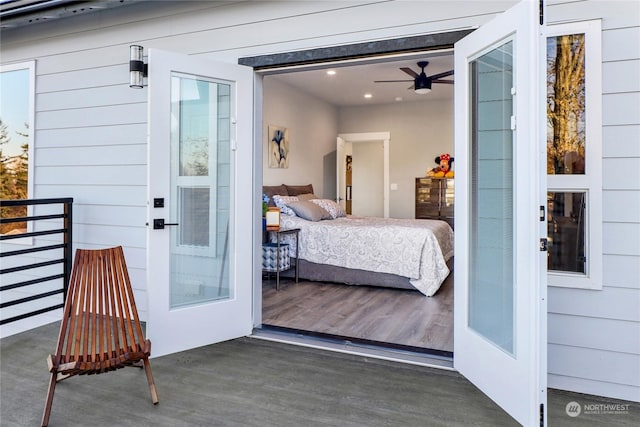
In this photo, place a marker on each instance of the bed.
(335, 247)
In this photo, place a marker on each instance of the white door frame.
(516, 381)
(173, 329)
(344, 138)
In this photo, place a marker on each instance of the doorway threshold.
(397, 353)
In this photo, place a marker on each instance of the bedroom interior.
(387, 308)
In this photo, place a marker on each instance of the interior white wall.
(420, 131)
(313, 128)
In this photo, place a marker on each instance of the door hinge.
(541, 11)
(542, 213)
(542, 415)
(544, 244)
(513, 122)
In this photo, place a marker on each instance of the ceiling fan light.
(422, 84)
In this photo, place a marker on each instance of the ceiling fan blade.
(409, 71)
(442, 81)
(445, 74)
(391, 81)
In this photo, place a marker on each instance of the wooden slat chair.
(100, 329)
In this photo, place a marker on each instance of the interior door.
(199, 238)
(367, 181)
(345, 145)
(500, 292)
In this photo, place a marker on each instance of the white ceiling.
(352, 80)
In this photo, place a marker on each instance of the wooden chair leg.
(152, 385)
(49, 401)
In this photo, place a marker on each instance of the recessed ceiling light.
(398, 98)
(368, 95)
(331, 72)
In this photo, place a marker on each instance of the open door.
(500, 294)
(199, 236)
(344, 147)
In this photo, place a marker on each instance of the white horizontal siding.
(586, 386)
(621, 206)
(92, 116)
(115, 94)
(263, 27)
(94, 175)
(118, 134)
(621, 76)
(577, 331)
(596, 365)
(621, 271)
(619, 109)
(93, 155)
(608, 303)
(594, 336)
(130, 195)
(622, 239)
(621, 141)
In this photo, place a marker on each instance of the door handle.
(159, 224)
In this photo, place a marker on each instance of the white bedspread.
(417, 249)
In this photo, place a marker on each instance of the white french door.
(199, 254)
(500, 293)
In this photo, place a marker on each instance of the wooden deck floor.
(249, 382)
(393, 316)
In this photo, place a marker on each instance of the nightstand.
(273, 253)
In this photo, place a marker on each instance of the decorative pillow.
(283, 201)
(294, 190)
(307, 196)
(272, 190)
(309, 211)
(334, 209)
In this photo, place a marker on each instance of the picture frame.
(278, 146)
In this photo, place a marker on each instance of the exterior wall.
(90, 136)
(594, 336)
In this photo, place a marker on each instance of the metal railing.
(66, 260)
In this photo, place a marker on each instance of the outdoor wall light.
(137, 68)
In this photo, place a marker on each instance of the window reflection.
(566, 232)
(566, 104)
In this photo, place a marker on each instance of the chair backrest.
(100, 328)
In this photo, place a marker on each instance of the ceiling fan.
(421, 82)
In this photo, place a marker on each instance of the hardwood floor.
(394, 316)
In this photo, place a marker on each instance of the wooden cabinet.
(434, 199)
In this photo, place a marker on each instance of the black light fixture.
(137, 67)
(422, 84)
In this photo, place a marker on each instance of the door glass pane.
(491, 258)
(566, 104)
(566, 232)
(200, 190)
